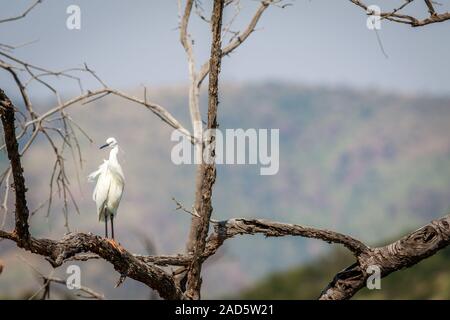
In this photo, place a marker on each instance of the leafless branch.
(91, 294)
(180, 206)
(239, 226)
(194, 108)
(21, 208)
(22, 15)
(48, 279)
(395, 16)
(124, 262)
(239, 39)
(398, 255)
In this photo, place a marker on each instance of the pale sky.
(323, 42)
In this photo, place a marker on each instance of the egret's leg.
(112, 227)
(106, 226)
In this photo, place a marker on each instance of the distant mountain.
(369, 163)
(430, 279)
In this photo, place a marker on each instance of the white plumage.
(109, 188)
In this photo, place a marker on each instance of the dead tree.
(185, 282)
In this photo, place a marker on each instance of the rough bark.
(12, 148)
(125, 263)
(208, 170)
(400, 254)
(227, 229)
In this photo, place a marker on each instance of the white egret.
(109, 188)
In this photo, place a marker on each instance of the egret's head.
(110, 142)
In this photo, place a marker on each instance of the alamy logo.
(74, 279)
(74, 19)
(235, 146)
(374, 280)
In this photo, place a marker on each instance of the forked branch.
(396, 16)
(23, 14)
(400, 254)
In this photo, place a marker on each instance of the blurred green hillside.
(362, 162)
(430, 279)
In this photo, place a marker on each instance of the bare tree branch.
(24, 14)
(395, 16)
(194, 111)
(21, 86)
(159, 260)
(194, 107)
(207, 170)
(159, 111)
(204, 70)
(400, 254)
(227, 229)
(56, 252)
(4, 206)
(430, 7)
(48, 279)
(8, 121)
(92, 294)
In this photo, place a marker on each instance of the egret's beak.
(104, 146)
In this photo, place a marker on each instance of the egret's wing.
(94, 175)
(116, 170)
(100, 176)
(114, 194)
(101, 191)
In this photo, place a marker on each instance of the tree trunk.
(207, 171)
